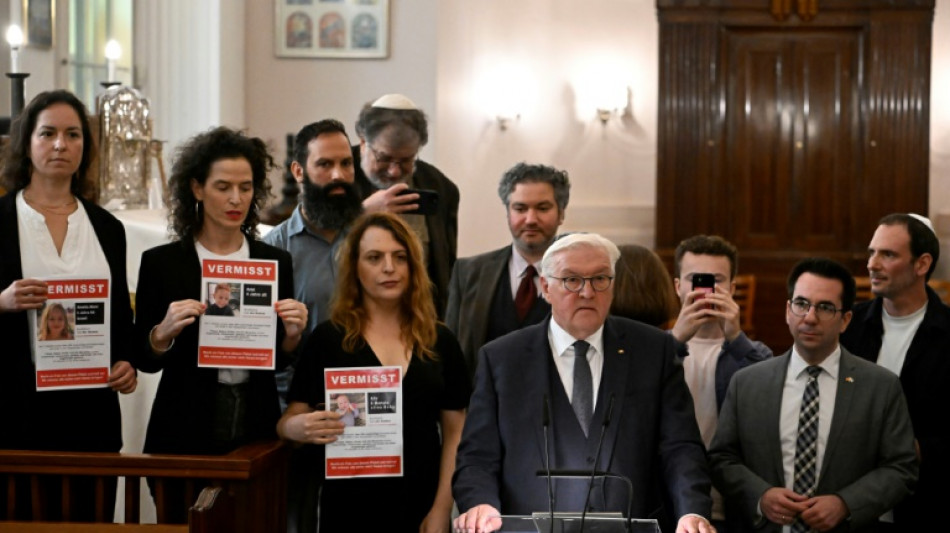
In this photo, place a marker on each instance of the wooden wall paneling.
(689, 132)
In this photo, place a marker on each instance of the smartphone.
(704, 282)
(428, 201)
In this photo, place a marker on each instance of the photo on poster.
(223, 299)
(56, 321)
(351, 407)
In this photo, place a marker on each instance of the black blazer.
(75, 420)
(181, 419)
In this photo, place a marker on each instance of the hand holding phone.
(428, 201)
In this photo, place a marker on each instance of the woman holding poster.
(382, 317)
(217, 189)
(49, 230)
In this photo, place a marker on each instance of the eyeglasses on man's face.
(823, 310)
(576, 283)
(384, 160)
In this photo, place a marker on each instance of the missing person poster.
(71, 335)
(370, 402)
(239, 326)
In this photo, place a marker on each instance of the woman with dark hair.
(643, 289)
(48, 229)
(382, 315)
(217, 189)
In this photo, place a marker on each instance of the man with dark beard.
(329, 202)
(314, 232)
(497, 292)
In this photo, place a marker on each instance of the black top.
(182, 418)
(429, 387)
(73, 420)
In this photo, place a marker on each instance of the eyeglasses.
(576, 283)
(823, 311)
(385, 160)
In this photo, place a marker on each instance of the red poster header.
(257, 270)
(77, 288)
(369, 378)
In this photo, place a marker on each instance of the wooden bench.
(251, 483)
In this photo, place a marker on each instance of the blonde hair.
(44, 334)
(347, 308)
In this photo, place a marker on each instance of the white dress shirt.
(562, 349)
(516, 266)
(81, 255)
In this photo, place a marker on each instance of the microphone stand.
(545, 422)
(593, 472)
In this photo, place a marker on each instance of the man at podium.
(581, 391)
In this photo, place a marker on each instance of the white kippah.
(924, 220)
(394, 101)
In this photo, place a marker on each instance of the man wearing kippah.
(391, 131)
(906, 329)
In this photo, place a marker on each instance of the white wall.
(284, 94)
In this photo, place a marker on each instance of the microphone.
(545, 422)
(600, 444)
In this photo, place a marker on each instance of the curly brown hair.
(17, 165)
(193, 161)
(347, 309)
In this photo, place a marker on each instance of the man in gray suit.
(496, 292)
(817, 439)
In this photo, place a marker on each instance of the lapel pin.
(620, 350)
(849, 379)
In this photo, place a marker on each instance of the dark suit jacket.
(181, 419)
(471, 290)
(443, 226)
(924, 376)
(77, 420)
(652, 436)
(869, 460)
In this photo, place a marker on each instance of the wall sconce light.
(604, 115)
(504, 121)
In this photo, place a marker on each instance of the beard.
(331, 211)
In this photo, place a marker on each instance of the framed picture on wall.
(349, 29)
(38, 17)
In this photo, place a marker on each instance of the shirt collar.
(797, 365)
(296, 225)
(519, 263)
(562, 340)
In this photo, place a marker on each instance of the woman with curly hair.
(217, 189)
(382, 315)
(49, 229)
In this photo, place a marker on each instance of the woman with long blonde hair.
(382, 315)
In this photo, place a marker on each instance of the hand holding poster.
(71, 335)
(239, 327)
(369, 399)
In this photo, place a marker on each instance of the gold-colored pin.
(620, 350)
(849, 379)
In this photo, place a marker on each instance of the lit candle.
(113, 53)
(15, 40)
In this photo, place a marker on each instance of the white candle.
(15, 40)
(113, 52)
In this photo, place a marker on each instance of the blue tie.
(582, 397)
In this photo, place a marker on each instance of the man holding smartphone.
(392, 130)
(708, 334)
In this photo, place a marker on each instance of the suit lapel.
(536, 367)
(618, 349)
(844, 396)
(482, 289)
(771, 414)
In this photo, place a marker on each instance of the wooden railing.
(252, 480)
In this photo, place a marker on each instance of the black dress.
(429, 387)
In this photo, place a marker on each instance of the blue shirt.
(315, 265)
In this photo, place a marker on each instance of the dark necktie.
(806, 446)
(527, 293)
(582, 397)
